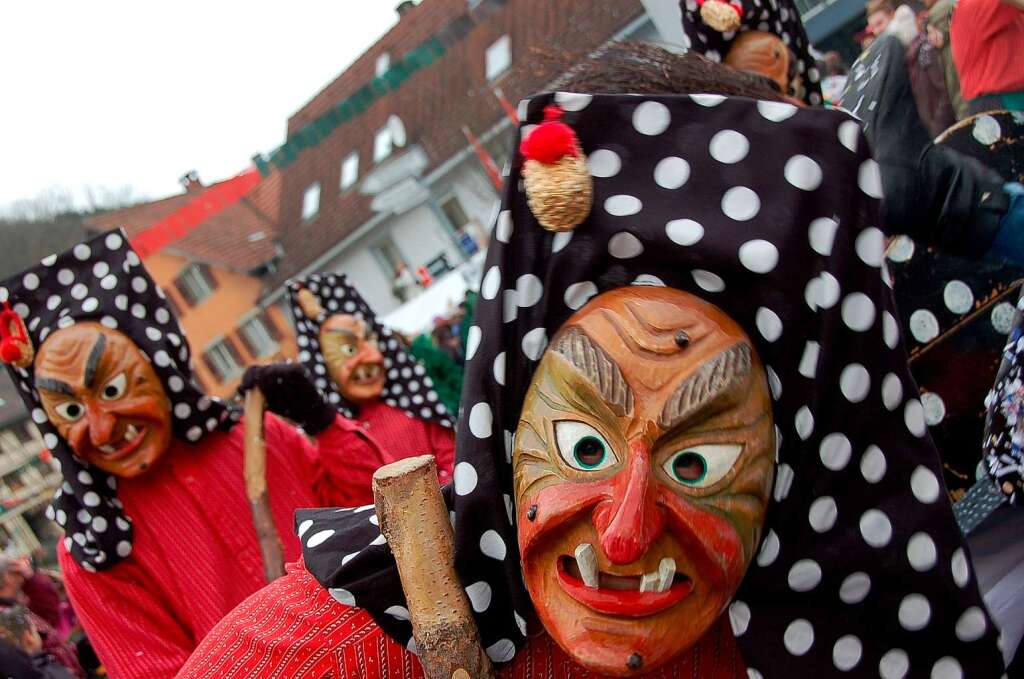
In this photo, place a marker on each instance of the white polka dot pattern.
(408, 388)
(94, 281)
(841, 542)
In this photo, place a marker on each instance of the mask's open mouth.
(130, 440)
(623, 595)
(367, 373)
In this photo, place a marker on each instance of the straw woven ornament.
(559, 188)
(721, 16)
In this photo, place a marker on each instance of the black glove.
(290, 393)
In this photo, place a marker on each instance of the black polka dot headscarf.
(103, 280)
(771, 213)
(780, 17)
(406, 384)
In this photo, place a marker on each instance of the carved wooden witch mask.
(102, 395)
(642, 465)
(353, 357)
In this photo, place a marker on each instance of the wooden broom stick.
(255, 471)
(414, 520)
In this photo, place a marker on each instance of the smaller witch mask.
(101, 394)
(354, 360)
(642, 466)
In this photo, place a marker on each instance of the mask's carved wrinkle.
(598, 368)
(60, 356)
(712, 379)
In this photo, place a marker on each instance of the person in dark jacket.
(932, 194)
(928, 80)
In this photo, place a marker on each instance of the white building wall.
(367, 275)
(419, 237)
(476, 195)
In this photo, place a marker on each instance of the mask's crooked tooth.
(586, 560)
(130, 432)
(666, 573)
(107, 449)
(649, 582)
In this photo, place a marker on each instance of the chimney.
(190, 181)
(404, 7)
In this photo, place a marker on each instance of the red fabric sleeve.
(128, 626)
(294, 629)
(346, 463)
(289, 440)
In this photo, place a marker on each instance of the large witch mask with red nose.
(616, 435)
(642, 469)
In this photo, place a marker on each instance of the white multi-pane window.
(195, 284)
(257, 337)
(382, 65)
(311, 201)
(349, 170)
(222, 360)
(498, 57)
(383, 144)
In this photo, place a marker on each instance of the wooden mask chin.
(102, 395)
(353, 358)
(643, 462)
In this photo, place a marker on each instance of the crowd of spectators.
(963, 56)
(38, 629)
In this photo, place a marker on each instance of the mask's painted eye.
(704, 465)
(115, 388)
(71, 411)
(582, 447)
(348, 349)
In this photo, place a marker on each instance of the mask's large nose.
(631, 521)
(101, 424)
(369, 353)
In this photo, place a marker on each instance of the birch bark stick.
(414, 520)
(255, 470)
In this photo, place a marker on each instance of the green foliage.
(445, 373)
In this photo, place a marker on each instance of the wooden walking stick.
(255, 471)
(414, 520)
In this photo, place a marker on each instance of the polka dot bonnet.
(769, 212)
(780, 17)
(103, 280)
(406, 385)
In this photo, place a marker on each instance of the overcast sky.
(112, 92)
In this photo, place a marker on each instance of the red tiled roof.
(240, 237)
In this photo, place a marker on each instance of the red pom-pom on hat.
(10, 352)
(550, 141)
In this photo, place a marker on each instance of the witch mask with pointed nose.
(642, 466)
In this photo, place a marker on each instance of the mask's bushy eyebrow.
(599, 369)
(717, 376)
(55, 386)
(93, 362)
